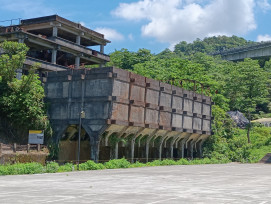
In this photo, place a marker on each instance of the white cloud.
(175, 20)
(82, 23)
(131, 37)
(261, 38)
(110, 34)
(264, 5)
(28, 9)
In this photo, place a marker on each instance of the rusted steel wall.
(142, 102)
(120, 104)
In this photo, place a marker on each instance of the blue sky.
(153, 24)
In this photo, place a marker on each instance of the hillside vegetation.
(243, 86)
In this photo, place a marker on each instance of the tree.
(247, 87)
(21, 101)
(125, 59)
(209, 45)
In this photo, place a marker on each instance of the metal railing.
(10, 22)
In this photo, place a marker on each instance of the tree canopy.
(21, 101)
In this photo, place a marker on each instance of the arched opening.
(68, 145)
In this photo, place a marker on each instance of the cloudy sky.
(153, 24)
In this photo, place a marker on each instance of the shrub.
(20, 168)
(83, 167)
(52, 167)
(182, 162)
(66, 167)
(33, 168)
(90, 165)
(154, 163)
(168, 162)
(117, 163)
(137, 164)
(4, 170)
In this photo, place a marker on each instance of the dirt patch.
(22, 154)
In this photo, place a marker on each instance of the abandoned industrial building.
(57, 43)
(122, 114)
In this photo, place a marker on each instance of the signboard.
(36, 137)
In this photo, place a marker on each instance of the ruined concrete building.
(57, 43)
(122, 114)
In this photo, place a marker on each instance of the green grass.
(53, 167)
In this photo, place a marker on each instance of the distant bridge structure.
(254, 51)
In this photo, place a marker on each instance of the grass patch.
(53, 167)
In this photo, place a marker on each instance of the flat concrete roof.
(225, 183)
(46, 19)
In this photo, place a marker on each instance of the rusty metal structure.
(125, 115)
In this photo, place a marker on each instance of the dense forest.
(242, 86)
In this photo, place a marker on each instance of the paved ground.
(227, 183)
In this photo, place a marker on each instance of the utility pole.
(82, 115)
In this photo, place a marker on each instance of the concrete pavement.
(225, 183)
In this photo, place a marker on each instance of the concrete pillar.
(182, 146)
(160, 150)
(116, 150)
(191, 149)
(160, 147)
(53, 59)
(77, 62)
(147, 151)
(78, 40)
(148, 143)
(102, 48)
(148, 146)
(94, 153)
(132, 149)
(106, 138)
(55, 29)
(171, 148)
(200, 149)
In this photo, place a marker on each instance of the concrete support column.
(148, 146)
(160, 148)
(78, 40)
(148, 143)
(147, 151)
(77, 62)
(53, 59)
(106, 139)
(116, 150)
(191, 149)
(55, 29)
(94, 153)
(200, 148)
(132, 149)
(182, 146)
(171, 148)
(102, 48)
